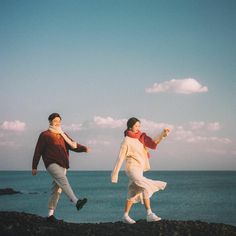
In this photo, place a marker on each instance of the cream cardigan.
(133, 151)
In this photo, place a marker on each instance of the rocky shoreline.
(21, 223)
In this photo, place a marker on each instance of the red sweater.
(53, 149)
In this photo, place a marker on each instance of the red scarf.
(143, 138)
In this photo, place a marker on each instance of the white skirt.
(140, 187)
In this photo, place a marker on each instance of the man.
(54, 146)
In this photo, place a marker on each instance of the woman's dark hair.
(131, 122)
(53, 116)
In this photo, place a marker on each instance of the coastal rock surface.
(20, 223)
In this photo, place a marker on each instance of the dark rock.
(16, 223)
(8, 191)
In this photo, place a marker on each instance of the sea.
(208, 196)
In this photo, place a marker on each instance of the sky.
(170, 63)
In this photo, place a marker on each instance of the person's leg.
(147, 205)
(54, 197)
(126, 218)
(52, 203)
(59, 176)
(141, 189)
(150, 215)
(128, 206)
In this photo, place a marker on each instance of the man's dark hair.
(53, 116)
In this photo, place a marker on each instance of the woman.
(134, 149)
(54, 145)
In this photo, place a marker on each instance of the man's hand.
(88, 149)
(34, 172)
(114, 178)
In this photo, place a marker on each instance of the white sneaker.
(128, 220)
(153, 217)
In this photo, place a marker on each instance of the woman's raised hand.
(166, 132)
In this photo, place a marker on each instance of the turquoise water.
(190, 195)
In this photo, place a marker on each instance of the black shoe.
(53, 219)
(80, 203)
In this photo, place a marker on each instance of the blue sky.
(98, 63)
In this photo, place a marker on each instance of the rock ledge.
(21, 223)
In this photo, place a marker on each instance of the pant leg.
(58, 174)
(55, 195)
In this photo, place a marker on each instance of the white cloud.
(183, 86)
(72, 127)
(95, 142)
(108, 122)
(190, 136)
(183, 134)
(213, 126)
(178, 133)
(7, 143)
(195, 139)
(13, 125)
(98, 122)
(192, 132)
(217, 151)
(151, 125)
(197, 125)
